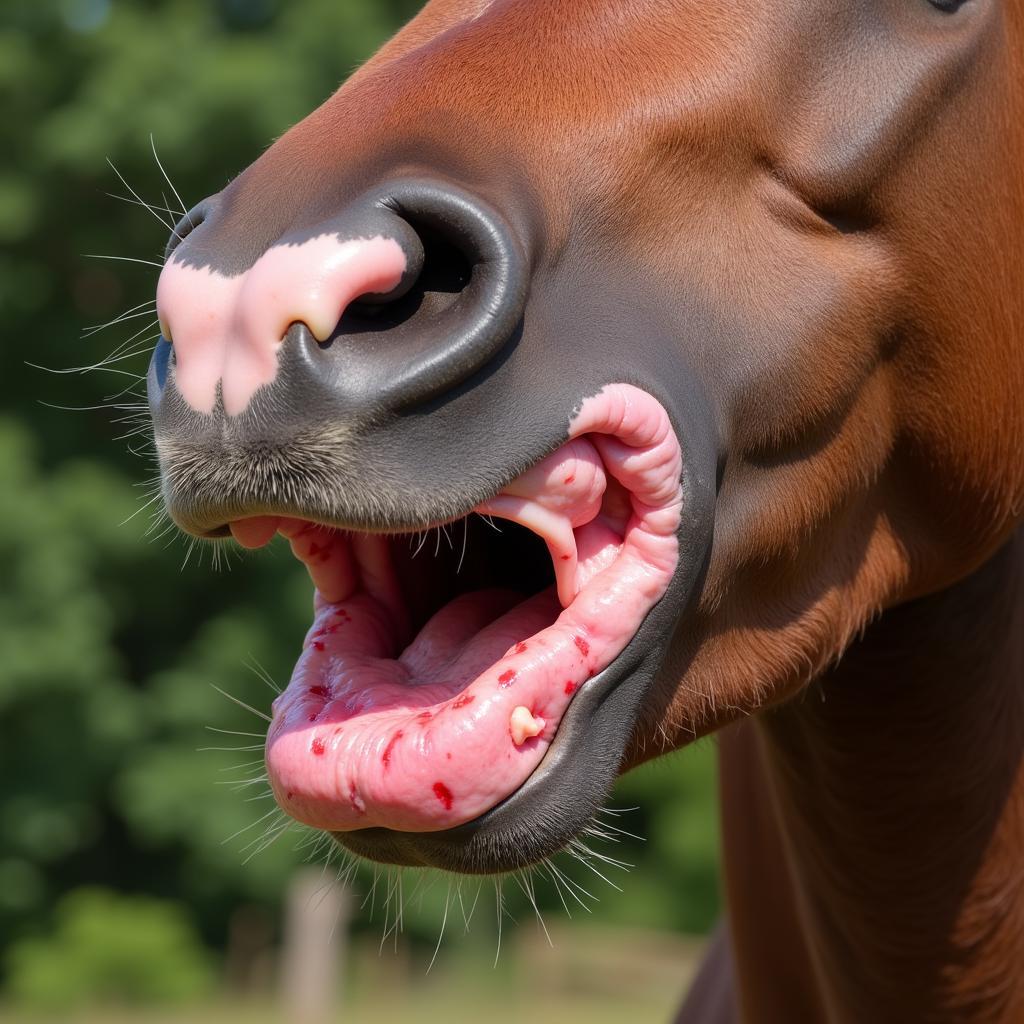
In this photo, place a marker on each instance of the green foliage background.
(111, 641)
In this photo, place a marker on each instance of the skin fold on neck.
(890, 821)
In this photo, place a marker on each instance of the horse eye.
(949, 6)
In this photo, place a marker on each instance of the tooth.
(522, 725)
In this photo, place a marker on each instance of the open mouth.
(438, 666)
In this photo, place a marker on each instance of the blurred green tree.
(111, 949)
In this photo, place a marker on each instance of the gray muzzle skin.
(425, 402)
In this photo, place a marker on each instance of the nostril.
(188, 223)
(461, 305)
(445, 273)
(446, 267)
(404, 295)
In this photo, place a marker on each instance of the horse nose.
(395, 301)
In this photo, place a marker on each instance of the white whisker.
(444, 921)
(252, 824)
(123, 259)
(241, 703)
(181, 202)
(169, 227)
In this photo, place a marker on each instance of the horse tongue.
(473, 632)
(453, 629)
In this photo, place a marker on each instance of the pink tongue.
(432, 736)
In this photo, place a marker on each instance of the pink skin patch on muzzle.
(428, 732)
(228, 330)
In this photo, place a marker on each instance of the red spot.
(341, 613)
(565, 558)
(318, 747)
(314, 550)
(318, 645)
(424, 716)
(444, 794)
(461, 702)
(582, 645)
(320, 691)
(570, 686)
(519, 647)
(313, 717)
(569, 479)
(507, 678)
(289, 795)
(386, 756)
(449, 756)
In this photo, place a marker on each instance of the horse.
(718, 309)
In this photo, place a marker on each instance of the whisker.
(181, 202)
(423, 540)
(123, 259)
(141, 508)
(75, 408)
(573, 887)
(115, 357)
(259, 796)
(241, 703)
(472, 909)
(147, 206)
(603, 857)
(526, 885)
(188, 552)
(546, 865)
(169, 227)
(243, 765)
(262, 674)
(240, 784)
(500, 905)
(465, 538)
(444, 921)
(269, 841)
(129, 314)
(582, 858)
(235, 732)
(252, 824)
(251, 747)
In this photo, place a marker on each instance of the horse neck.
(899, 785)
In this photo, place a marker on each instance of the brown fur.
(848, 178)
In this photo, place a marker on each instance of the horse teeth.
(522, 725)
